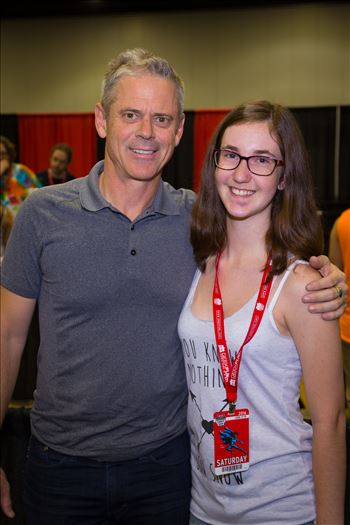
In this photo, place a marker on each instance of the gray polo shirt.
(111, 381)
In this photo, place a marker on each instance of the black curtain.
(100, 148)
(9, 128)
(179, 171)
(318, 128)
(344, 156)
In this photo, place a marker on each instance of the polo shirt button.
(133, 252)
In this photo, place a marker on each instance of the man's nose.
(145, 129)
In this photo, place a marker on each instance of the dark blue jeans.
(69, 490)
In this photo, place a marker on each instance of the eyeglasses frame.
(241, 157)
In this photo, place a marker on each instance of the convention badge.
(231, 441)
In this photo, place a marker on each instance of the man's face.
(58, 162)
(142, 127)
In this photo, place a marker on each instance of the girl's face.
(244, 194)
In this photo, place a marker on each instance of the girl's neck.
(245, 242)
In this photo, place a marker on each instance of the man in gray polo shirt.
(108, 259)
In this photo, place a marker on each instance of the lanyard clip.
(231, 407)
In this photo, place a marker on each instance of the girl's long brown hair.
(295, 224)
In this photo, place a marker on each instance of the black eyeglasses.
(226, 159)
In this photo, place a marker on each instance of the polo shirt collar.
(164, 203)
(92, 200)
(90, 195)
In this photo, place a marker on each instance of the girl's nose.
(242, 173)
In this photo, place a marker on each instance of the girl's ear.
(281, 184)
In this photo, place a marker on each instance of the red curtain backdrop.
(38, 133)
(205, 123)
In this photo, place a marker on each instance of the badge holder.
(231, 441)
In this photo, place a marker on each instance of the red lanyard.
(230, 371)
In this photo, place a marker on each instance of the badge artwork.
(231, 433)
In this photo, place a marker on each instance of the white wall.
(298, 55)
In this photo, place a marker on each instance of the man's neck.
(58, 176)
(130, 197)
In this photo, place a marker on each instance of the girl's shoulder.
(301, 273)
(302, 269)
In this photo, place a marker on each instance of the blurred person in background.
(339, 254)
(60, 158)
(17, 181)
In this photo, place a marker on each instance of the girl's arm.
(319, 347)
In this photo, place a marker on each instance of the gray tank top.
(278, 486)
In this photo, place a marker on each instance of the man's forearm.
(11, 354)
(16, 315)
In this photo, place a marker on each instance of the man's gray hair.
(135, 62)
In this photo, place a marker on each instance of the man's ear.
(100, 121)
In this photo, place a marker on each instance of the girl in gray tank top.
(248, 339)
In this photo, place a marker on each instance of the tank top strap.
(193, 288)
(285, 276)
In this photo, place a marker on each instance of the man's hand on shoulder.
(328, 295)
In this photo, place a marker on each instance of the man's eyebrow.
(134, 110)
(170, 117)
(131, 110)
